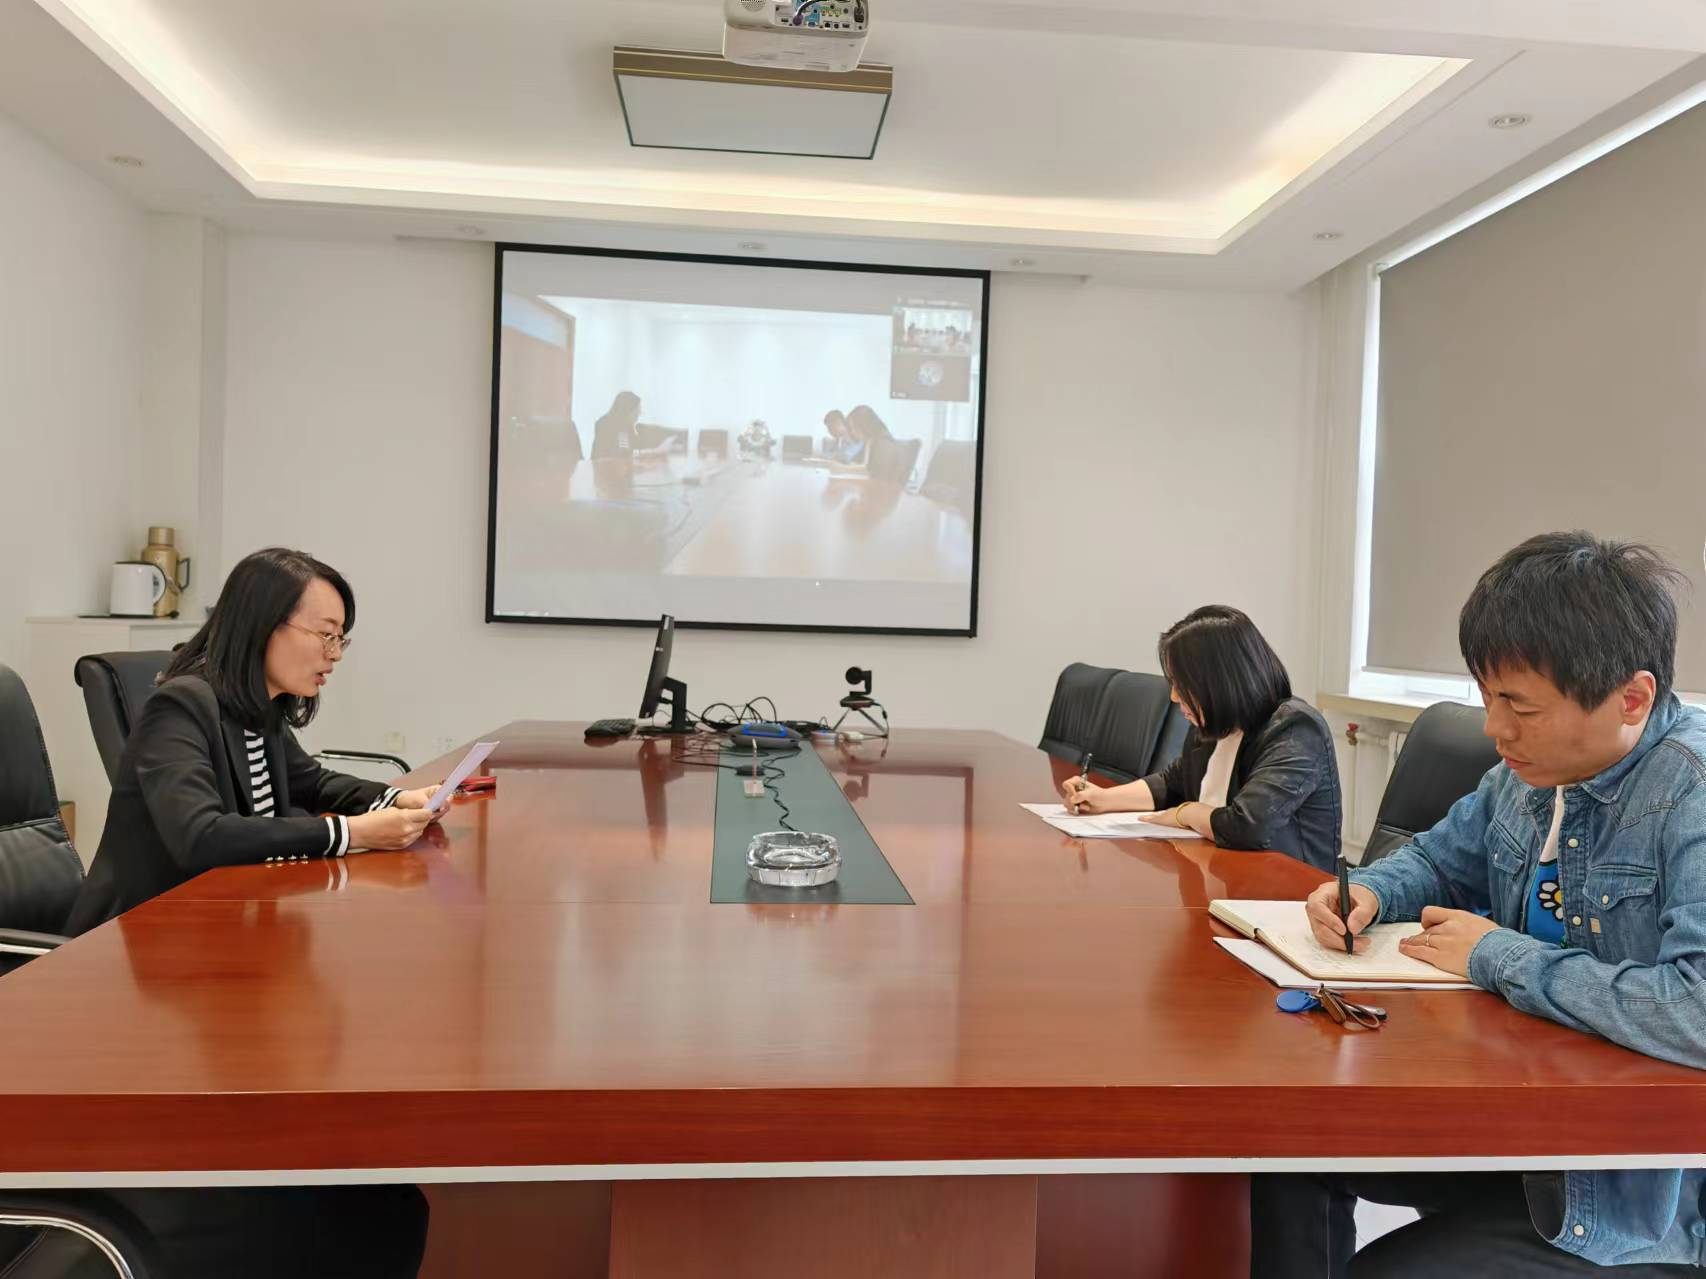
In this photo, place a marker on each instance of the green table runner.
(815, 803)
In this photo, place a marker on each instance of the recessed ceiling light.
(1022, 263)
(468, 228)
(1510, 120)
(751, 246)
(1329, 235)
(125, 161)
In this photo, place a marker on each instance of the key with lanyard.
(1344, 1011)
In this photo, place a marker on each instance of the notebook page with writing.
(1284, 929)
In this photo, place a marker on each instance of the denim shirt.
(1632, 867)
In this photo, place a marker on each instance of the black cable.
(719, 723)
(768, 770)
(776, 794)
(772, 774)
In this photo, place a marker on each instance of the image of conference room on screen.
(780, 446)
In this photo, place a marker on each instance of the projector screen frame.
(493, 617)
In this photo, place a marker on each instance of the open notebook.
(1283, 928)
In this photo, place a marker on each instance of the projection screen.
(740, 443)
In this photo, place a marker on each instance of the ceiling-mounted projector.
(802, 35)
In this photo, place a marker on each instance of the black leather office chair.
(40, 873)
(796, 448)
(1073, 712)
(115, 685)
(1444, 759)
(894, 460)
(72, 1236)
(952, 474)
(1171, 744)
(714, 442)
(1138, 729)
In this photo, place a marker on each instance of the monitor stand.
(674, 695)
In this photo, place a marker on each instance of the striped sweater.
(261, 798)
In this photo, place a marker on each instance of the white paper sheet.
(1106, 825)
(1255, 955)
(473, 759)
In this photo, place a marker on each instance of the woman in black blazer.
(213, 776)
(1258, 769)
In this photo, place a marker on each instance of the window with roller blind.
(1544, 368)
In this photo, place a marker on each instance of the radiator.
(1366, 758)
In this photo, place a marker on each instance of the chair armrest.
(368, 757)
(106, 1227)
(17, 941)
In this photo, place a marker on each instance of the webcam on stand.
(860, 702)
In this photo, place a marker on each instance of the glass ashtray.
(793, 859)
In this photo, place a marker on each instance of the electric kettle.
(137, 587)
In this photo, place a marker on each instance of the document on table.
(473, 759)
(1282, 928)
(1257, 956)
(1106, 825)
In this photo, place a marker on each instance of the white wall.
(1147, 451)
(72, 262)
(180, 478)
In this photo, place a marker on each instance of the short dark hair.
(230, 649)
(1223, 668)
(1585, 612)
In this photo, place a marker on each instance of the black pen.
(1345, 904)
(1083, 776)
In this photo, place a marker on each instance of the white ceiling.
(1193, 141)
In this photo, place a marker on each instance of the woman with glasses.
(212, 774)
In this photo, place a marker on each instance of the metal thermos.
(162, 552)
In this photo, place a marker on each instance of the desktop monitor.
(660, 688)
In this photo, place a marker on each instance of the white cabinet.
(55, 644)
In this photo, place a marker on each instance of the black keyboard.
(610, 728)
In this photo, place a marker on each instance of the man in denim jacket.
(1573, 883)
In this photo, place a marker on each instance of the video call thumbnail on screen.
(725, 441)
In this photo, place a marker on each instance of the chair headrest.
(131, 677)
(1444, 758)
(26, 778)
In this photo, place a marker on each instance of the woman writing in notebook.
(1257, 770)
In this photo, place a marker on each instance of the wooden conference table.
(1011, 1077)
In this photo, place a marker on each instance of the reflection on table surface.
(732, 518)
